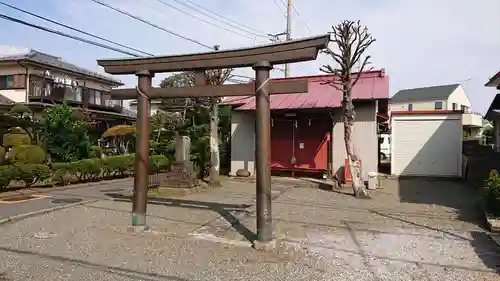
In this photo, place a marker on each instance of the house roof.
(57, 62)
(494, 108)
(371, 85)
(494, 81)
(425, 93)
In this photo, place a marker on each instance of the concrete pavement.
(400, 234)
(64, 196)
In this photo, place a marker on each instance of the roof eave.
(494, 81)
(88, 77)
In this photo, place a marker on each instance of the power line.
(219, 15)
(236, 25)
(203, 20)
(68, 35)
(74, 29)
(151, 24)
(279, 8)
(297, 12)
(303, 21)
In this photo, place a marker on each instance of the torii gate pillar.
(263, 152)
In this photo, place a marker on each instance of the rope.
(263, 84)
(141, 93)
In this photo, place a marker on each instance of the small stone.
(44, 235)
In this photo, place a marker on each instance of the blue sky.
(419, 43)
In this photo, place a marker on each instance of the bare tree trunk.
(354, 162)
(214, 142)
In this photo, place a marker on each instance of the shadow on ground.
(455, 194)
(129, 273)
(227, 211)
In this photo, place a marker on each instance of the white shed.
(427, 143)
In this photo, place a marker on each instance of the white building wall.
(17, 95)
(154, 107)
(417, 105)
(365, 140)
(242, 141)
(459, 97)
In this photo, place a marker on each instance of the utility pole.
(288, 31)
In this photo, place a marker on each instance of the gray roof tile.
(425, 93)
(42, 58)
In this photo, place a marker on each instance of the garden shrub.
(63, 173)
(492, 193)
(158, 163)
(27, 154)
(15, 139)
(119, 165)
(95, 152)
(86, 169)
(7, 174)
(31, 173)
(3, 153)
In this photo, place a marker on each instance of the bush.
(3, 153)
(27, 154)
(158, 163)
(492, 193)
(31, 173)
(120, 165)
(7, 174)
(95, 152)
(63, 173)
(16, 139)
(86, 169)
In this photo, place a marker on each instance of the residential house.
(444, 97)
(154, 106)
(493, 114)
(41, 80)
(307, 132)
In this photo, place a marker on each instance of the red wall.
(311, 131)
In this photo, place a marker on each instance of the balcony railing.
(472, 119)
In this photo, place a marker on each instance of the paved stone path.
(410, 230)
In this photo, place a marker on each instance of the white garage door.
(427, 146)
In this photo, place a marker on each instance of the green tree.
(65, 135)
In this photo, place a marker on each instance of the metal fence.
(157, 179)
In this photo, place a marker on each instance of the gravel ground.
(321, 235)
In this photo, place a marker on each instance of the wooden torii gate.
(261, 59)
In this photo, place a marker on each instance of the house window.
(97, 96)
(112, 103)
(7, 82)
(73, 93)
(454, 106)
(94, 96)
(410, 107)
(464, 108)
(438, 105)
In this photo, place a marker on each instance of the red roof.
(371, 85)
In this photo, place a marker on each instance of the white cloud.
(420, 43)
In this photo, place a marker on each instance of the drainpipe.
(27, 80)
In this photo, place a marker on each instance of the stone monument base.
(181, 175)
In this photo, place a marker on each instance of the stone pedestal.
(181, 175)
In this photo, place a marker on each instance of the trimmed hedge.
(491, 193)
(83, 170)
(26, 154)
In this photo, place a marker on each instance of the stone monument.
(181, 173)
